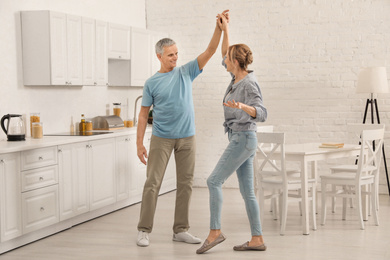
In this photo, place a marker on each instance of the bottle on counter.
(82, 125)
(71, 125)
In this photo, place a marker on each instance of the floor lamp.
(374, 80)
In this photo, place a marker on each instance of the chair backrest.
(265, 128)
(358, 128)
(271, 160)
(371, 149)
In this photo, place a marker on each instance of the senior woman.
(243, 107)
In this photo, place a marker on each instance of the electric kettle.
(15, 130)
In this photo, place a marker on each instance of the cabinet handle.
(42, 209)
(60, 150)
(40, 158)
(41, 178)
(107, 84)
(2, 161)
(127, 139)
(95, 83)
(120, 57)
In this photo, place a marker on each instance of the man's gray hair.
(165, 42)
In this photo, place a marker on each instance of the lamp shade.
(372, 80)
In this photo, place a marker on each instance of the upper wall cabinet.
(140, 68)
(52, 48)
(94, 52)
(143, 63)
(119, 41)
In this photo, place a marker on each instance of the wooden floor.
(114, 236)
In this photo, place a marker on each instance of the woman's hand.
(233, 104)
(223, 20)
(248, 109)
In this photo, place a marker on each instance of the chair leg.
(359, 205)
(314, 206)
(374, 202)
(333, 199)
(283, 219)
(344, 215)
(323, 202)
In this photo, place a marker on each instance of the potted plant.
(150, 117)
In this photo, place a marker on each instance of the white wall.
(58, 103)
(307, 55)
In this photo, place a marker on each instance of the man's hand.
(142, 153)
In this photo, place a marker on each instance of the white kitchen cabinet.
(87, 176)
(101, 165)
(52, 48)
(119, 41)
(40, 208)
(10, 197)
(39, 187)
(141, 51)
(101, 61)
(124, 170)
(143, 63)
(73, 180)
(95, 71)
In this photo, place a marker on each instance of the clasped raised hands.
(223, 20)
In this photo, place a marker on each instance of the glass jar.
(34, 117)
(88, 125)
(117, 109)
(37, 130)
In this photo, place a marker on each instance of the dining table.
(311, 153)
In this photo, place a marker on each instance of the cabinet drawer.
(39, 158)
(39, 178)
(40, 208)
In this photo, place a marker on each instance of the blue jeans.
(238, 156)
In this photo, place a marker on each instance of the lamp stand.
(372, 101)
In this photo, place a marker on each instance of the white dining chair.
(348, 184)
(356, 130)
(274, 181)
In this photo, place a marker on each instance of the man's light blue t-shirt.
(171, 96)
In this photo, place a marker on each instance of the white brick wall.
(307, 56)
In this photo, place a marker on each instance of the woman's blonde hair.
(242, 53)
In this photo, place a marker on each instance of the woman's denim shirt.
(246, 91)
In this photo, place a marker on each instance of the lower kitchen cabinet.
(10, 197)
(87, 176)
(48, 189)
(124, 151)
(40, 208)
(101, 157)
(73, 180)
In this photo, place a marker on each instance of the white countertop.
(46, 141)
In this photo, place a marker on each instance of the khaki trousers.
(159, 153)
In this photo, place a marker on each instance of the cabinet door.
(101, 68)
(10, 197)
(74, 50)
(102, 173)
(140, 56)
(40, 208)
(58, 53)
(88, 29)
(73, 180)
(123, 170)
(119, 41)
